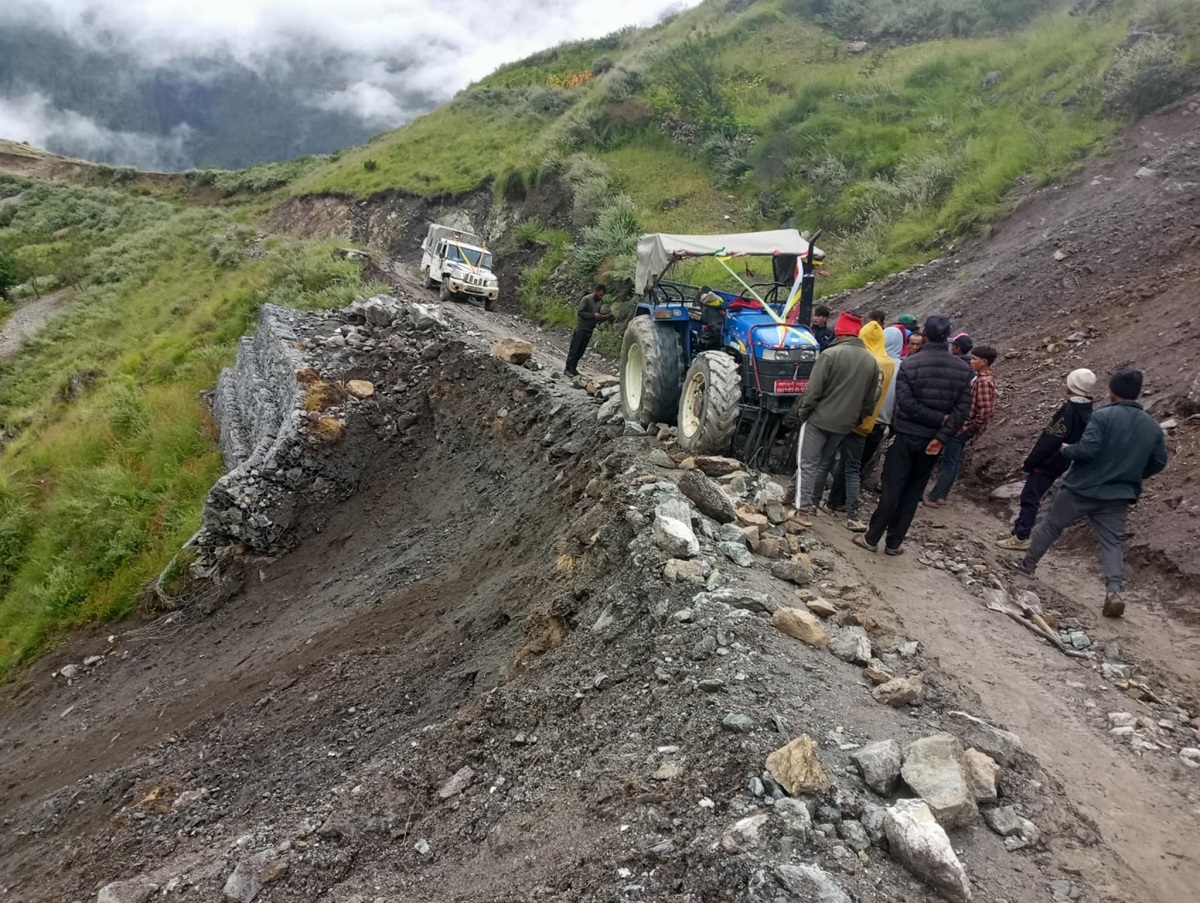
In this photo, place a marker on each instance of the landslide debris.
(482, 645)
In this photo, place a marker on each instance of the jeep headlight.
(808, 354)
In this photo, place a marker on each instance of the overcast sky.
(440, 45)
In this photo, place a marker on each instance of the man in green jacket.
(1121, 447)
(841, 394)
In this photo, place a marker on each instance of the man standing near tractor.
(589, 314)
(841, 394)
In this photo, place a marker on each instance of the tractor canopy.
(657, 252)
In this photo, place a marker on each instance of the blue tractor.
(725, 366)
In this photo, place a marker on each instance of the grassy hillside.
(746, 115)
(106, 451)
(736, 115)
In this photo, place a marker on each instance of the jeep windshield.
(473, 256)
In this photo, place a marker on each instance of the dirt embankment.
(1102, 271)
(494, 669)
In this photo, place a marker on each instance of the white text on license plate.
(790, 386)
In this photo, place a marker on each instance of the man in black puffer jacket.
(933, 400)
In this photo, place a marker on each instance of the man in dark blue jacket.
(933, 399)
(1121, 446)
(1045, 462)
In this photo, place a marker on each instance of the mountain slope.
(897, 151)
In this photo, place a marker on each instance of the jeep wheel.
(429, 283)
(651, 370)
(709, 404)
(444, 293)
(488, 303)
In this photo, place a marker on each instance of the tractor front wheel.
(651, 370)
(709, 404)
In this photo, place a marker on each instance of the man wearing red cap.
(841, 394)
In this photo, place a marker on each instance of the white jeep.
(460, 263)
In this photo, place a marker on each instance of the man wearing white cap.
(1046, 463)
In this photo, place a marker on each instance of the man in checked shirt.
(983, 407)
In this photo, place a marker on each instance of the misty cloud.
(390, 59)
(32, 119)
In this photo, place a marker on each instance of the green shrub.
(1144, 78)
(529, 233)
(613, 235)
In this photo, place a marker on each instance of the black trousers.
(1036, 486)
(579, 342)
(906, 472)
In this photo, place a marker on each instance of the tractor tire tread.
(662, 374)
(722, 404)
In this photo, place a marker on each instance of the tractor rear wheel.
(709, 404)
(651, 370)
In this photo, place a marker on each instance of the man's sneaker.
(854, 525)
(861, 540)
(931, 502)
(899, 550)
(1020, 567)
(789, 495)
(1012, 544)
(571, 373)
(1114, 605)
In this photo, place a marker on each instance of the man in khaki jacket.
(841, 394)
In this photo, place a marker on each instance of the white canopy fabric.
(658, 251)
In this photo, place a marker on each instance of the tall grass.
(108, 451)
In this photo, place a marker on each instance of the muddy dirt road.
(491, 600)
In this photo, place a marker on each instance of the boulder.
(707, 496)
(1003, 820)
(736, 597)
(457, 783)
(752, 519)
(716, 465)
(934, 767)
(854, 834)
(609, 410)
(822, 608)
(251, 875)
(801, 624)
(901, 691)
(877, 673)
(918, 842)
(745, 833)
(793, 571)
(879, 765)
(360, 388)
(512, 350)
(851, 644)
(797, 821)
(1001, 745)
(424, 316)
(982, 772)
(680, 570)
(811, 883)
(675, 537)
(737, 553)
(797, 768)
(139, 890)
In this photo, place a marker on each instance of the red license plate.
(790, 386)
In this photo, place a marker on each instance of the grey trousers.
(1107, 517)
(814, 461)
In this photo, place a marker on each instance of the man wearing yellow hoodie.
(847, 476)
